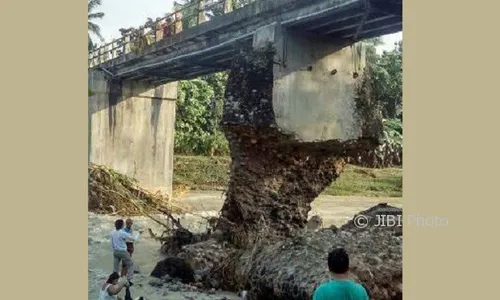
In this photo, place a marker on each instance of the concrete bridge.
(134, 79)
(209, 46)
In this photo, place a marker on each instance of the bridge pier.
(314, 84)
(293, 113)
(131, 128)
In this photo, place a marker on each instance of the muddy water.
(333, 210)
(146, 255)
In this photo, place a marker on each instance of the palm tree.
(93, 27)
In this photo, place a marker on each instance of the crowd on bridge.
(151, 32)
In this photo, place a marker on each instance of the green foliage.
(389, 153)
(93, 28)
(189, 12)
(387, 78)
(384, 86)
(217, 82)
(211, 173)
(393, 132)
(196, 126)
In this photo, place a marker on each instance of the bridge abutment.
(131, 128)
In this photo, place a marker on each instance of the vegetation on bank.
(212, 173)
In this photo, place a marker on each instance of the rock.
(214, 283)
(334, 228)
(174, 267)
(167, 278)
(398, 231)
(291, 268)
(243, 295)
(316, 222)
(175, 288)
(156, 282)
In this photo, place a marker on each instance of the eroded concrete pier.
(293, 113)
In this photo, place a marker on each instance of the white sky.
(134, 13)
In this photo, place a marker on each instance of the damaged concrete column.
(131, 128)
(292, 114)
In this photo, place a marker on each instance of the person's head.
(119, 224)
(338, 261)
(113, 278)
(129, 223)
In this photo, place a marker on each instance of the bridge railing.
(135, 40)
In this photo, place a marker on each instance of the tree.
(196, 125)
(93, 28)
(371, 49)
(387, 77)
(388, 81)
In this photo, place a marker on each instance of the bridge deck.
(209, 47)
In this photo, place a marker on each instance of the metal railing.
(135, 40)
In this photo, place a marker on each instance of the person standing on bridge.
(168, 27)
(119, 239)
(340, 287)
(159, 25)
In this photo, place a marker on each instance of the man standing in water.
(119, 239)
(340, 287)
(129, 243)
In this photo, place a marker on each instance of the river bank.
(204, 173)
(333, 210)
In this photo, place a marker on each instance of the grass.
(212, 173)
(358, 181)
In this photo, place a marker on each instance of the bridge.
(134, 79)
(209, 46)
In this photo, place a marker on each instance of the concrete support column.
(131, 129)
(314, 84)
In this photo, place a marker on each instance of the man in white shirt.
(119, 238)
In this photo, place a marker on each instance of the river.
(333, 210)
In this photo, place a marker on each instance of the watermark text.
(362, 221)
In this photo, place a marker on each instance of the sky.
(134, 13)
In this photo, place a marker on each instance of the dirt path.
(335, 210)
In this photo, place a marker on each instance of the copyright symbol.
(360, 221)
